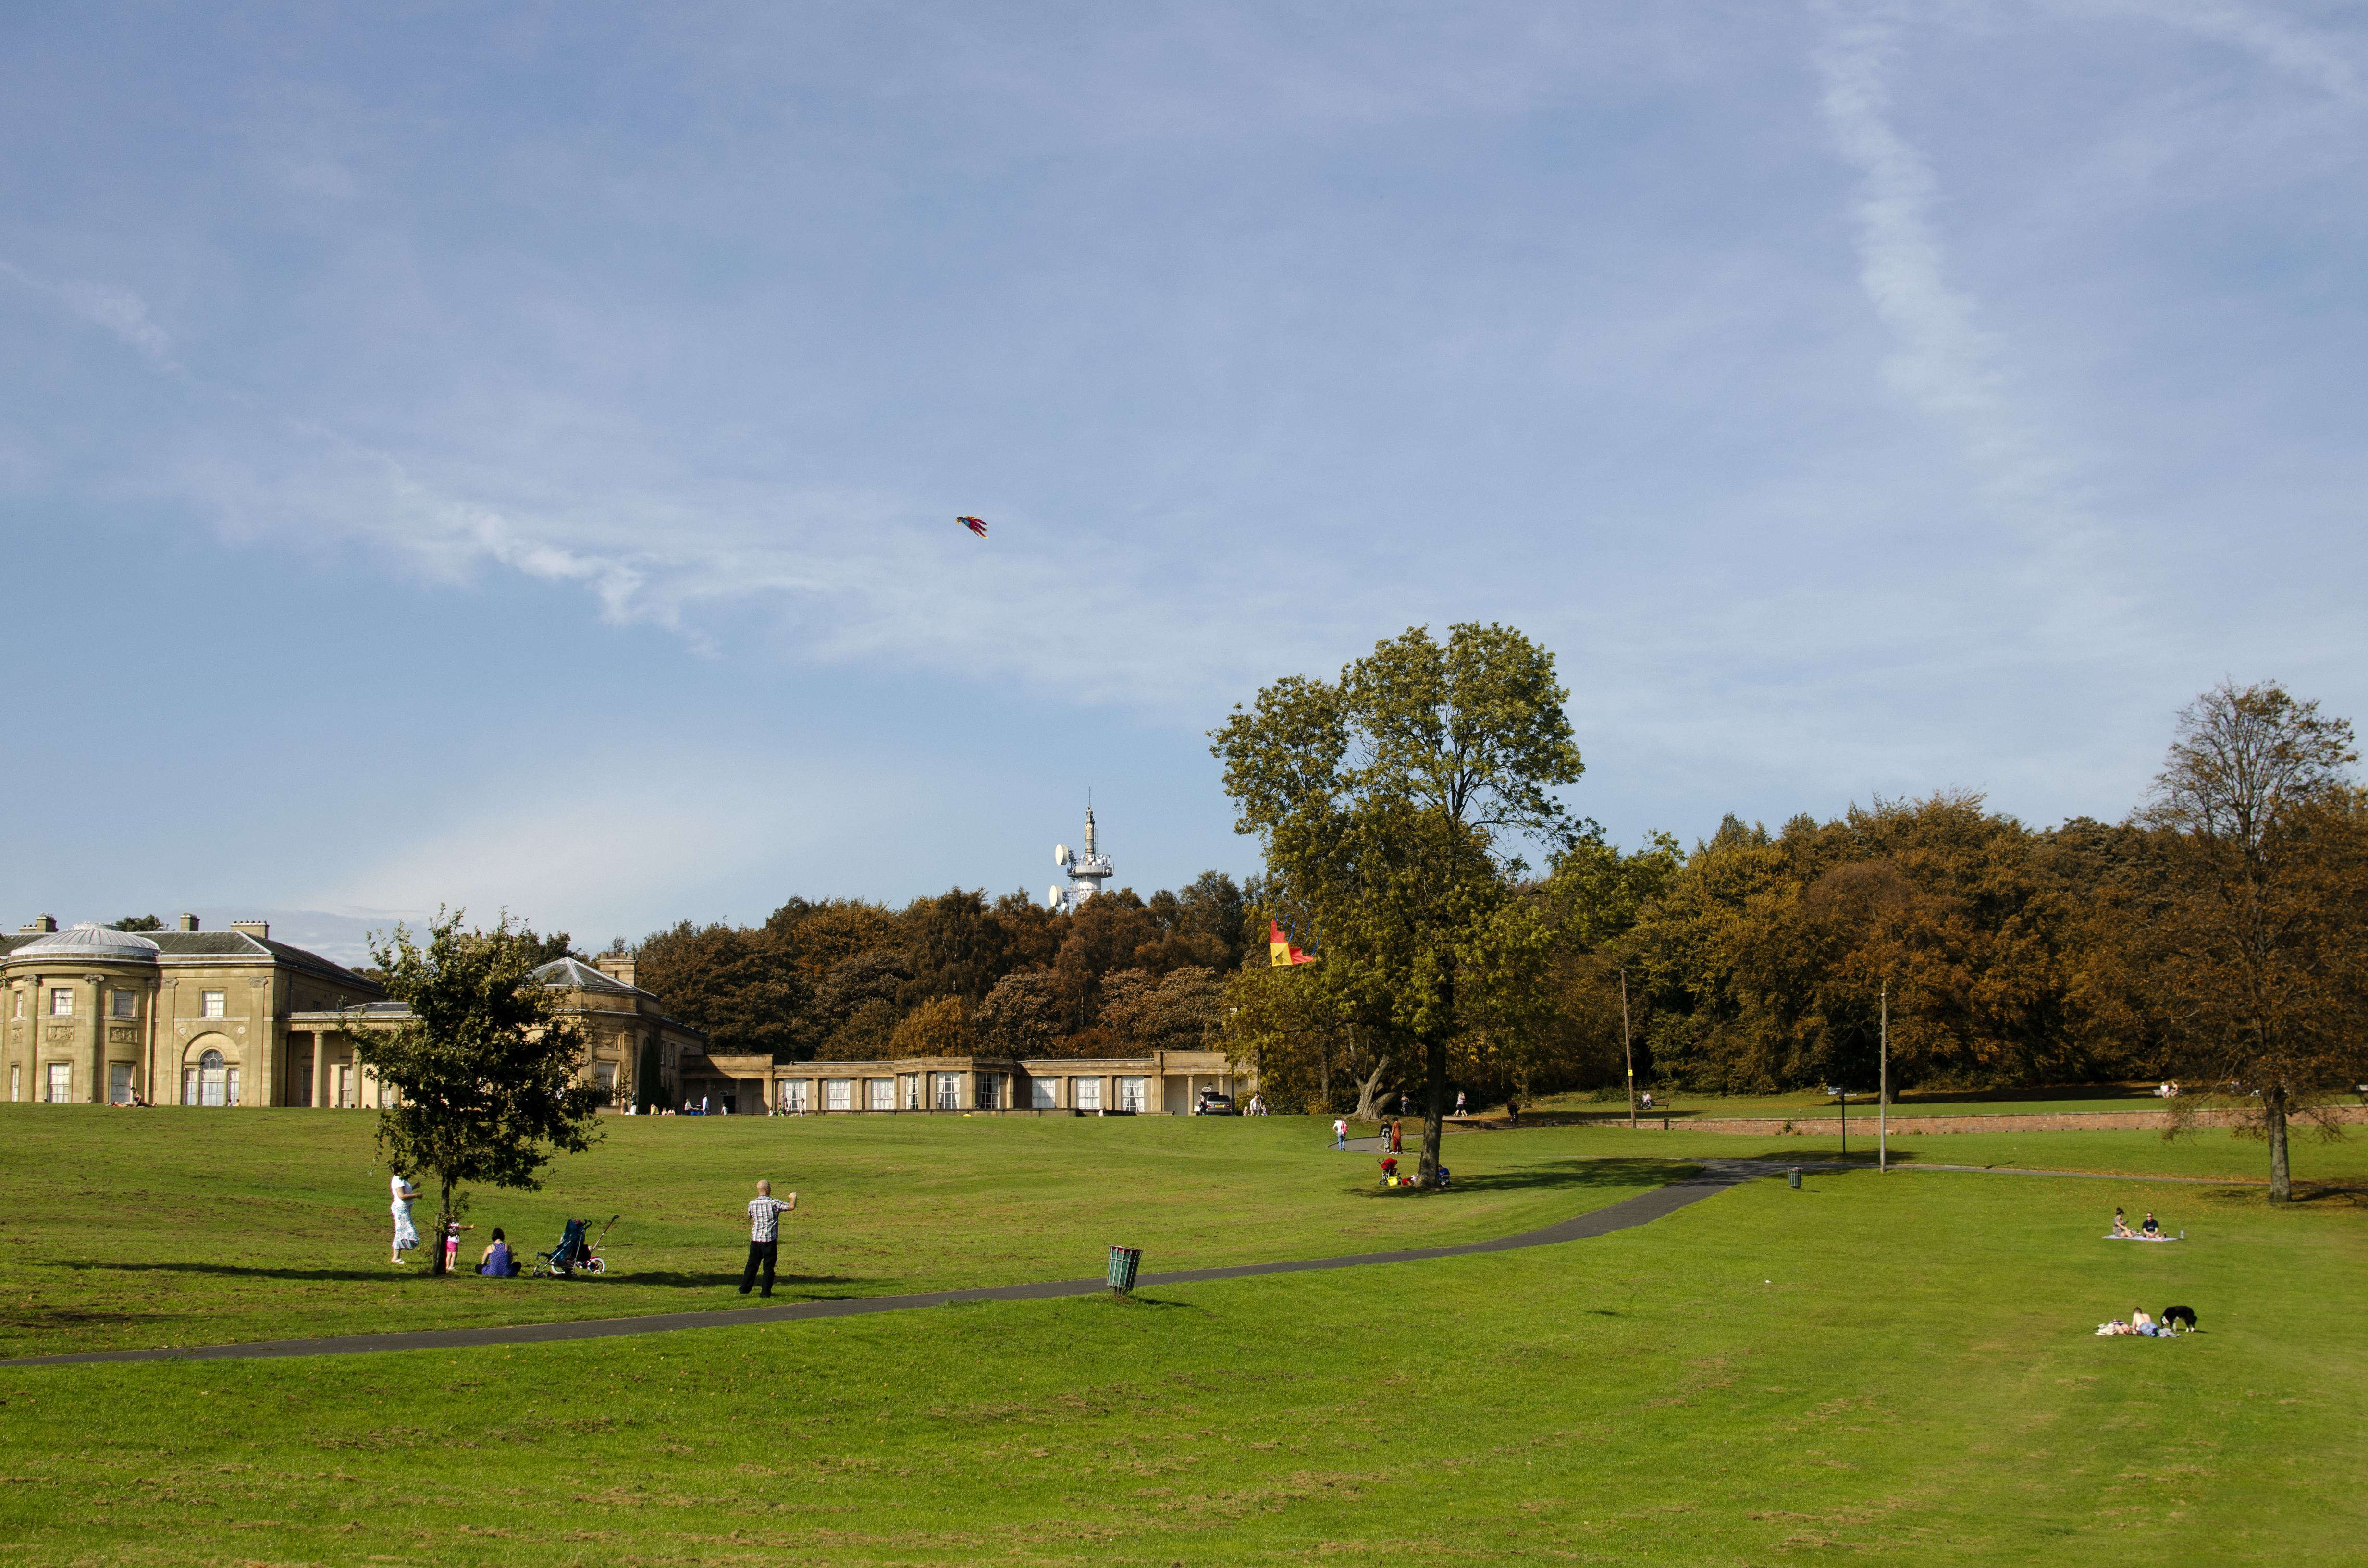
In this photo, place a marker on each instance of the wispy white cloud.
(1944, 362)
(119, 311)
(2304, 53)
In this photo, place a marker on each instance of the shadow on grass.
(1564, 1176)
(1579, 1174)
(667, 1281)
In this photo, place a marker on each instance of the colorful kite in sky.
(1281, 954)
(975, 525)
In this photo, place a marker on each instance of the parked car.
(1212, 1103)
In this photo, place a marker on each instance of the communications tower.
(1088, 872)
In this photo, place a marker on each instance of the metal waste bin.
(1124, 1261)
(1794, 1173)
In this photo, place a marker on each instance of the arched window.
(213, 1079)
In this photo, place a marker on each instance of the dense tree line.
(2218, 934)
(851, 979)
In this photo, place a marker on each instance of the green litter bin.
(1124, 1261)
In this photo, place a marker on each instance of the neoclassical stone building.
(1164, 1083)
(224, 1018)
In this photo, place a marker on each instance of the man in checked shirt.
(765, 1212)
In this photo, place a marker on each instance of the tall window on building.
(61, 1083)
(883, 1095)
(212, 1080)
(60, 1002)
(987, 1088)
(1044, 1094)
(213, 1003)
(605, 1075)
(118, 1083)
(1089, 1094)
(948, 1094)
(838, 1094)
(124, 1004)
(794, 1095)
(1129, 1094)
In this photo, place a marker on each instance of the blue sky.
(510, 455)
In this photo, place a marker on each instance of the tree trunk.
(1434, 1077)
(1365, 1111)
(2273, 1112)
(443, 1229)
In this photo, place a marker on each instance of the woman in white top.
(406, 1234)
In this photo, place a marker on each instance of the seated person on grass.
(497, 1262)
(2150, 1228)
(2121, 1224)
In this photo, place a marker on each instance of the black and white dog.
(2179, 1314)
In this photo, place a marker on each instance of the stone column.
(98, 984)
(320, 1069)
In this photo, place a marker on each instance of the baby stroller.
(574, 1252)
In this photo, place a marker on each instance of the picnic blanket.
(2139, 1238)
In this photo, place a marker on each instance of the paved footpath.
(1715, 1175)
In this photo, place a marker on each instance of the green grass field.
(2048, 1099)
(1895, 1367)
(121, 1229)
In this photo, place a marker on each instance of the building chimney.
(188, 922)
(258, 929)
(39, 926)
(618, 969)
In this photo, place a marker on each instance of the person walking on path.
(406, 1234)
(1340, 1132)
(1458, 1102)
(764, 1213)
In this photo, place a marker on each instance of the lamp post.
(1628, 1044)
(1882, 1102)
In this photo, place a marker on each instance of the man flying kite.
(1281, 954)
(975, 525)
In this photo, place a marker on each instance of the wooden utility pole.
(1628, 1044)
(1883, 1103)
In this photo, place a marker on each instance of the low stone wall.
(1998, 1121)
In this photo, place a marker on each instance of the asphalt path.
(1715, 1175)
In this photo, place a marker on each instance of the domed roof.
(89, 941)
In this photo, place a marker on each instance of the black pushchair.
(574, 1253)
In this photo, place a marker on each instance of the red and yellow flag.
(1280, 953)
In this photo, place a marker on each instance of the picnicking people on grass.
(764, 1213)
(2151, 1229)
(2139, 1323)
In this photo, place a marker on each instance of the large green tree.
(742, 988)
(1392, 805)
(484, 1067)
(2249, 918)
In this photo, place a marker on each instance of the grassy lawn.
(122, 1229)
(2071, 1098)
(1895, 1367)
(2211, 1153)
